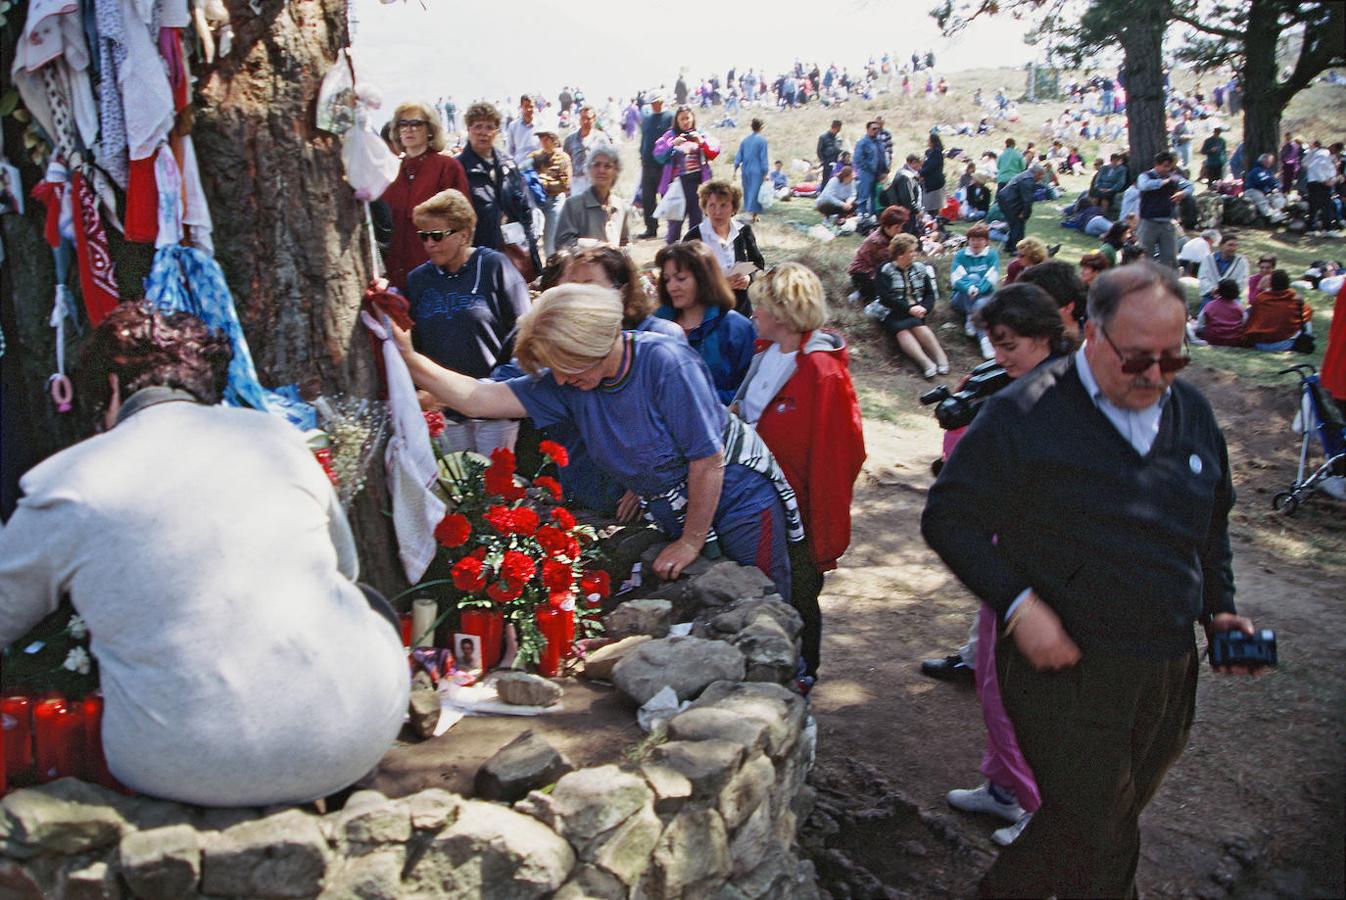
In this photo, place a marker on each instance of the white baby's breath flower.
(77, 627)
(78, 660)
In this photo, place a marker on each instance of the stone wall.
(707, 807)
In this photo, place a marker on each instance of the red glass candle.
(551, 623)
(404, 622)
(49, 756)
(489, 626)
(16, 721)
(70, 727)
(94, 765)
(568, 620)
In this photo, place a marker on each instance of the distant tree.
(1249, 36)
(1077, 31)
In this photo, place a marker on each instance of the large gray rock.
(712, 723)
(493, 853)
(749, 844)
(769, 652)
(588, 803)
(652, 617)
(592, 883)
(526, 763)
(746, 791)
(625, 850)
(598, 664)
(64, 817)
(685, 664)
(745, 612)
(671, 788)
(283, 855)
(692, 858)
(162, 863)
(376, 875)
(726, 582)
(708, 765)
(369, 820)
(526, 689)
(781, 710)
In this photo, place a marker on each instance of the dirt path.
(1253, 809)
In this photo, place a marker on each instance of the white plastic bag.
(370, 165)
(336, 96)
(674, 205)
(766, 197)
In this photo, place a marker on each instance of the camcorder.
(1234, 648)
(957, 409)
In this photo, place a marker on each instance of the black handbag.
(1304, 342)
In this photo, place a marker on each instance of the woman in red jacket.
(426, 170)
(798, 395)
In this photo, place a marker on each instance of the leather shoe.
(647, 235)
(950, 668)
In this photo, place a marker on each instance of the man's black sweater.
(1044, 492)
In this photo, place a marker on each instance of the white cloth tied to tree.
(53, 35)
(411, 465)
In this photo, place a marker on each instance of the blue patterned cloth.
(183, 279)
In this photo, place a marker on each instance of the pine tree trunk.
(288, 233)
(1263, 98)
(1142, 44)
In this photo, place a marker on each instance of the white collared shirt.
(1139, 426)
(723, 248)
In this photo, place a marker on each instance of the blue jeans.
(551, 214)
(864, 192)
(968, 305)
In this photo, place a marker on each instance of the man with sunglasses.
(1088, 505)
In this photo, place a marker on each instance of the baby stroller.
(1318, 414)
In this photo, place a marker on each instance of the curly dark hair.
(1029, 311)
(699, 260)
(143, 348)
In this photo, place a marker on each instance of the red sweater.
(813, 427)
(1275, 316)
(1334, 359)
(433, 172)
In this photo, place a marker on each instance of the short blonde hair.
(719, 188)
(481, 111)
(793, 294)
(1032, 250)
(901, 243)
(449, 205)
(438, 139)
(570, 329)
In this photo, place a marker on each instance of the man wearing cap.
(1088, 505)
(652, 127)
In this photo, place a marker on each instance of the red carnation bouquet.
(510, 545)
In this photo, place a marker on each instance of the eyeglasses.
(411, 123)
(1133, 365)
(434, 236)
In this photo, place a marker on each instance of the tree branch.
(1228, 34)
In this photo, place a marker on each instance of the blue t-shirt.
(725, 339)
(465, 320)
(646, 427)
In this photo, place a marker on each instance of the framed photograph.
(467, 653)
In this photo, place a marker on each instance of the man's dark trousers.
(1016, 232)
(1099, 738)
(650, 175)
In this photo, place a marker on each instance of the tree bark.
(1263, 97)
(1142, 42)
(288, 233)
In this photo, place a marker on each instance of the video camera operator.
(1026, 329)
(1088, 505)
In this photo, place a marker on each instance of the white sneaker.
(942, 370)
(969, 328)
(980, 800)
(1010, 833)
(987, 351)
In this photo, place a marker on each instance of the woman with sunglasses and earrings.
(465, 302)
(426, 170)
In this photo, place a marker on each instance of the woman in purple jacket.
(686, 154)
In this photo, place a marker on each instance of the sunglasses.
(411, 123)
(1133, 365)
(434, 236)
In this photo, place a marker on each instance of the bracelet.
(1018, 614)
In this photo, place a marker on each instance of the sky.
(613, 47)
